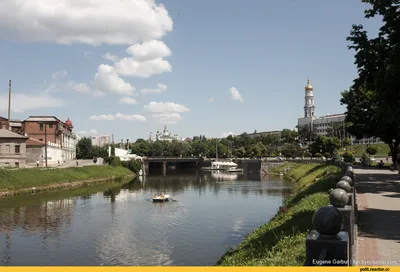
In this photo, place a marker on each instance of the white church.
(323, 123)
(320, 124)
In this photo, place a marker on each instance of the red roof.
(34, 142)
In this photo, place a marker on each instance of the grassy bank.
(382, 149)
(281, 242)
(21, 180)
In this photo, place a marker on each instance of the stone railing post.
(328, 245)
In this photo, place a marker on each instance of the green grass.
(36, 177)
(281, 168)
(383, 149)
(281, 242)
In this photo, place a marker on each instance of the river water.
(115, 224)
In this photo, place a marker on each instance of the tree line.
(287, 143)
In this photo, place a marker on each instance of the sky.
(214, 68)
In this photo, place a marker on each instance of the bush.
(372, 150)
(348, 157)
(327, 155)
(365, 159)
(133, 165)
(307, 154)
(114, 161)
(318, 155)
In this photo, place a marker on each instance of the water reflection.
(116, 224)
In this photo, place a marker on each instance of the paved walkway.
(378, 196)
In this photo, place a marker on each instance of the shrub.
(318, 155)
(114, 161)
(348, 157)
(307, 154)
(365, 158)
(133, 165)
(327, 155)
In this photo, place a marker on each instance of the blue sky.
(176, 63)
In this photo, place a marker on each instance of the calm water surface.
(113, 225)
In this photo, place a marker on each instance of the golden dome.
(308, 86)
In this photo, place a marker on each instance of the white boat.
(220, 166)
(161, 198)
(235, 170)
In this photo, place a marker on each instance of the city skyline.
(232, 68)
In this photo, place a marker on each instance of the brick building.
(15, 125)
(54, 131)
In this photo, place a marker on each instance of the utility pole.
(45, 143)
(9, 104)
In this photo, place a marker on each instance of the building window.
(41, 127)
(17, 149)
(50, 125)
(41, 140)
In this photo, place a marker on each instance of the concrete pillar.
(164, 168)
(146, 167)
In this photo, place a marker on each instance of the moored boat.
(235, 170)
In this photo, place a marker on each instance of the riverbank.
(281, 242)
(21, 181)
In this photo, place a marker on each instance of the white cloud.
(168, 118)
(166, 107)
(90, 132)
(24, 102)
(127, 100)
(107, 80)
(58, 74)
(98, 93)
(161, 89)
(85, 21)
(149, 50)
(79, 87)
(132, 117)
(109, 56)
(211, 99)
(166, 112)
(147, 68)
(102, 117)
(120, 116)
(235, 94)
(226, 134)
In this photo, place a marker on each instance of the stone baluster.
(328, 245)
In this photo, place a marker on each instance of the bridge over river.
(162, 164)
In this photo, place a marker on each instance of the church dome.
(308, 86)
(68, 123)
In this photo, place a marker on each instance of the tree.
(288, 136)
(84, 149)
(373, 101)
(289, 150)
(306, 132)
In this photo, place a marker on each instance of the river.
(114, 224)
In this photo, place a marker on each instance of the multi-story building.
(101, 141)
(320, 125)
(59, 134)
(13, 125)
(324, 125)
(12, 149)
